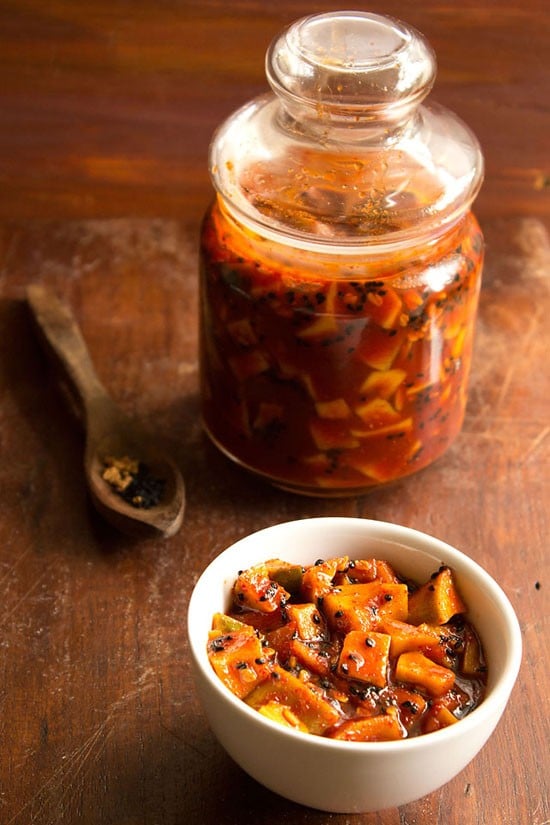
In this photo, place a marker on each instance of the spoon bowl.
(110, 434)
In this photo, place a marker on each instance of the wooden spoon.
(109, 433)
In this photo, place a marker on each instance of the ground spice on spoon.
(133, 481)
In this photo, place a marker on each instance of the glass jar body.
(328, 371)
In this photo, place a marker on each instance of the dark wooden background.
(106, 111)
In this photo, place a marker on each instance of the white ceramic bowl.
(353, 777)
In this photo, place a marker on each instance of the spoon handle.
(60, 329)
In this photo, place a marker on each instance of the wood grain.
(107, 109)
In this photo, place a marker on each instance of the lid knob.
(351, 64)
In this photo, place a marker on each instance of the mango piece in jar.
(317, 462)
(458, 344)
(412, 299)
(384, 307)
(383, 383)
(337, 408)
(319, 328)
(330, 434)
(402, 425)
(380, 470)
(289, 371)
(377, 413)
(378, 348)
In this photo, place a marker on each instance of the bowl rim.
(495, 699)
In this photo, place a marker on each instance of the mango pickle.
(348, 654)
(327, 385)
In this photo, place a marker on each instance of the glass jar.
(340, 263)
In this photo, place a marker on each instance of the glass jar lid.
(343, 151)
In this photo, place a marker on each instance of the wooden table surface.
(106, 111)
